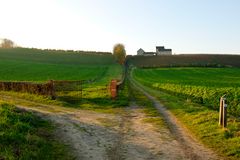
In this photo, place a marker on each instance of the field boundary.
(52, 88)
(29, 87)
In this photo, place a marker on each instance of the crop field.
(202, 85)
(37, 65)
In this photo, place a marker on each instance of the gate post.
(223, 112)
(113, 89)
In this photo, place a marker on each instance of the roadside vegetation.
(147, 105)
(26, 136)
(201, 120)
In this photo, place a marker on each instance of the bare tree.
(120, 53)
(7, 43)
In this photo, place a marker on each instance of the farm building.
(140, 51)
(160, 50)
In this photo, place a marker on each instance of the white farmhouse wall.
(164, 52)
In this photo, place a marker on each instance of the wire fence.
(56, 88)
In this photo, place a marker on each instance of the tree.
(120, 53)
(7, 43)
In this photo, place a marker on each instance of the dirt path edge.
(191, 146)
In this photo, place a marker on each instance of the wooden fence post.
(223, 112)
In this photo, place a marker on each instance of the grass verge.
(151, 112)
(25, 136)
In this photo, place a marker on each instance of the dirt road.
(100, 136)
(93, 135)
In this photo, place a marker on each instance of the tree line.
(7, 43)
(118, 50)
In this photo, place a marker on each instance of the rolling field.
(38, 65)
(202, 85)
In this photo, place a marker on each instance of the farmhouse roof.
(141, 49)
(162, 48)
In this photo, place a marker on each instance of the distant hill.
(201, 60)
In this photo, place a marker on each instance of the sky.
(185, 26)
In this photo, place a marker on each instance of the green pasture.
(39, 65)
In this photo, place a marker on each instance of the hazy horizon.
(184, 26)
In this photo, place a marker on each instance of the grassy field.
(38, 65)
(202, 85)
(25, 136)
